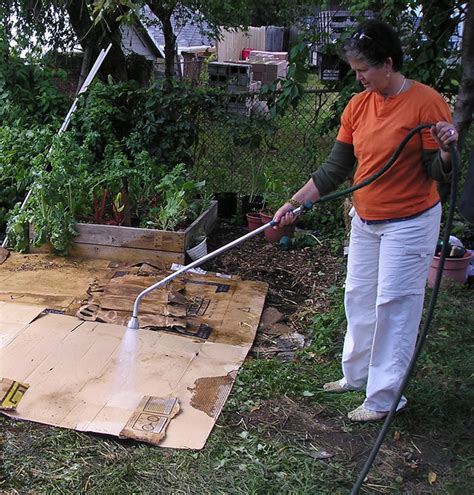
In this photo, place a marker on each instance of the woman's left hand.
(444, 133)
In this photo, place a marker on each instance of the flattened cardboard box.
(104, 378)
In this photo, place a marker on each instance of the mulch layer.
(297, 277)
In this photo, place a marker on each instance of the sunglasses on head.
(361, 36)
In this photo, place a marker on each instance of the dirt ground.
(296, 277)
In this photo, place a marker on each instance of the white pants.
(385, 286)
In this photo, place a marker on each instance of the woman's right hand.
(283, 216)
(309, 192)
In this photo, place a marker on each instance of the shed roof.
(188, 35)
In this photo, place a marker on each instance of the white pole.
(103, 53)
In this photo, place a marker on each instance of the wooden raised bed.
(132, 244)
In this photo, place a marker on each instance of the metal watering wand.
(133, 322)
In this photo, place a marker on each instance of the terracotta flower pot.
(455, 269)
(254, 221)
(275, 234)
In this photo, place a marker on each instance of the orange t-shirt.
(375, 126)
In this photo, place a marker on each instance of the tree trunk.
(170, 48)
(93, 37)
(85, 66)
(464, 106)
(82, 24)
(164, 15)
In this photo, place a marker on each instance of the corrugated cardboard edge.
(19, 313)
(11, 393)
(151, 418)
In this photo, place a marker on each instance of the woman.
(396, 222)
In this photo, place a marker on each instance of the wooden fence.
(233, 42)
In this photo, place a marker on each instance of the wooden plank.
(162, 259)
(204, 223)
(230, 46)
(152, 239)
(119, 236)
(134, 244)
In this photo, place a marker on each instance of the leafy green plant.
(60, 193)
(179, 202)
(27, 92)
(276, 192)
(125, 152)
(18, 229)
(20, 149)
(327, 330)
(287, 92)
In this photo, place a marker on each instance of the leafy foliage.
(20, 149)
(125, 149)
(34, 24)
(58, 196)
(275, 192)
(177, 203)
(27, 93)
(283, 93)
(135, 119)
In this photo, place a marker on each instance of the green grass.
(256, 449)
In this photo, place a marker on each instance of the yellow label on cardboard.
(11, 392)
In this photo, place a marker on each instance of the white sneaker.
(337, 387)
(362, 414)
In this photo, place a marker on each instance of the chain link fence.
(246, 149)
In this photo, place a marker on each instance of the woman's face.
(372, 78)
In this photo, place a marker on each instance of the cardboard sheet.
(94, 377)
(48, 280)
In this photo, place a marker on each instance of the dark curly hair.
(374, 41)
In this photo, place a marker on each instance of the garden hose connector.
(307, 205)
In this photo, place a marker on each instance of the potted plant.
(226, 204)
(254, 220)
(455, 269)
(253, 201)
(198, 246)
